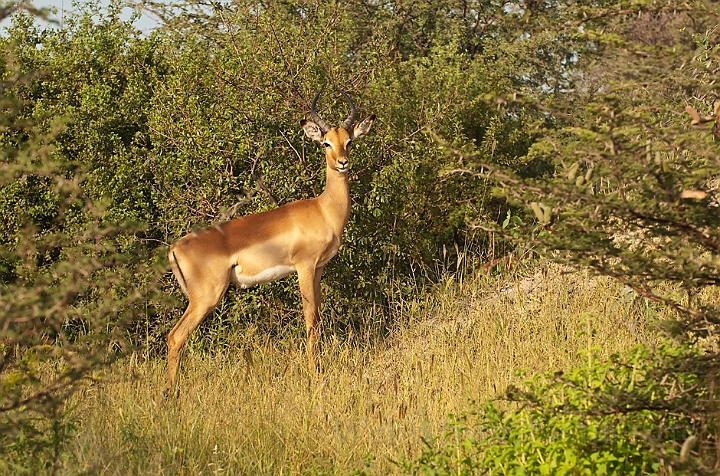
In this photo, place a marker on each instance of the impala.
(298, 237)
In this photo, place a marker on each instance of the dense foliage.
(565, 116)
(68, 273)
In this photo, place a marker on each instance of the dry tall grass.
(258, 411)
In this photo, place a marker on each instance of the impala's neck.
(335, 199)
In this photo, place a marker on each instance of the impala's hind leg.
(202, 302)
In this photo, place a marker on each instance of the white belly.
(270, 274)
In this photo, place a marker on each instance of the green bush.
(610, 416)
(72, 280)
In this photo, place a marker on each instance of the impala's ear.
(312, 130)
(363, 128)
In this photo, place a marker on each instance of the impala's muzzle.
(343, 165)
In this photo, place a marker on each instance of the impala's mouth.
(342, 168)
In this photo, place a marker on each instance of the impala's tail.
(177, 271)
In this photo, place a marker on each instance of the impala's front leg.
(310, 289)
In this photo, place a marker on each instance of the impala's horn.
(350, 121)
(324, 126)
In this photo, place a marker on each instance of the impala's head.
(336, 141)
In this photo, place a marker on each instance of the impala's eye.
(327, 144)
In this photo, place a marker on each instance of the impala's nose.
(342, 164)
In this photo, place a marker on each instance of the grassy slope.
(376, 396)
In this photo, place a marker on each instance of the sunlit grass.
(257, 410)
